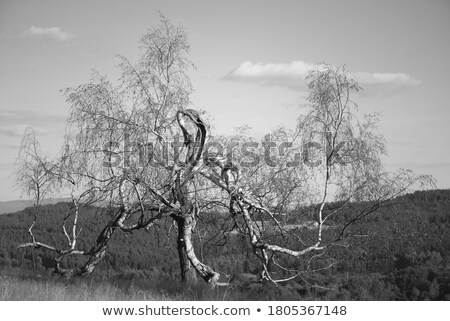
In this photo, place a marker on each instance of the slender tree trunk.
(187, 273)
(206, 272)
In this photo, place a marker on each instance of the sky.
(251, 58)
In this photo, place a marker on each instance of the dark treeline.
(401, 253)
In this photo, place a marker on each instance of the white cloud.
(385, 78)
(50, 33)
(292, 75)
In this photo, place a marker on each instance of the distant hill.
(401, 253)
(13, 206)
(19, 205)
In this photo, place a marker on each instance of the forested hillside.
(401, 253)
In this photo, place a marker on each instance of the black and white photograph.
(288, 151)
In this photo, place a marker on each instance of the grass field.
(17, 289)
(19, 285)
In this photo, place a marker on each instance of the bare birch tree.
(138, 151)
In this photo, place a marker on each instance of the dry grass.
(26, 289)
